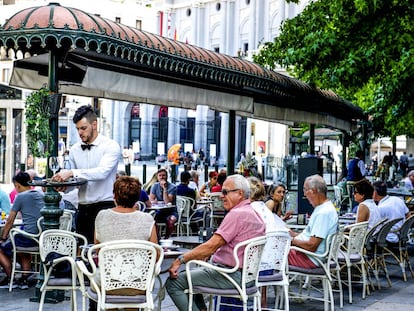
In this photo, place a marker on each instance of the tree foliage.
(362, 50)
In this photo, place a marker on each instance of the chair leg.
(348, 268)
(42, 300)
(407, 260)
(384, 268)
(341, 294)
(73, 300)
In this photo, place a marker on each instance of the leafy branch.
(39, 137)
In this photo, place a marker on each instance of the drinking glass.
(54, 164)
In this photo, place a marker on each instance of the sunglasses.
(226, 192)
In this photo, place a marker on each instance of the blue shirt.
(322, 223)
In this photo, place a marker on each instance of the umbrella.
(174, 153)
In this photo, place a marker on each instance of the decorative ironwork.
(53, 27)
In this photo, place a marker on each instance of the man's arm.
(8, 225)
(310, 245)
(201, 252)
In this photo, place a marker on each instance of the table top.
(160, 206)
(192, 240)
(17, 222)
(399, 192)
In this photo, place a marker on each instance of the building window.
(216, 49)
(188, 12)
(247, 2)
(138, 24)
(117, 19)
(5, 75)
(218, 6)
(245, 48)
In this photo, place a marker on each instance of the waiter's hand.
(63, 175)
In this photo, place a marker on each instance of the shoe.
(5, 283)
(23, 284)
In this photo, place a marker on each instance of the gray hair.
(240, 182)
(317, 183)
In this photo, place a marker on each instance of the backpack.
(62, 269)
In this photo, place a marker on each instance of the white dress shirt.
(99, 166)
(393, 207)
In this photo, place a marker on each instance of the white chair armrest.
(318, 257)
(15, 231)
(82, 268)
(211, 266)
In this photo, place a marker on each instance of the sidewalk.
(397, 298)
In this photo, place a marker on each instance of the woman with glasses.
(367, 209)
(275, 200)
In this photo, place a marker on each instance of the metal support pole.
(231, 142)
(51, 211)
(173, 173)
(144, 173)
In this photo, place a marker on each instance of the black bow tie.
(86, 146)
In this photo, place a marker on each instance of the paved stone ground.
(398, 297)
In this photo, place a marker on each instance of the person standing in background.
(356, 167)
(96, 159)
(403, 164)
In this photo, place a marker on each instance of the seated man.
(323, 222)
(241, 223)
(164, 191)
(28, 202)
(183, 188)
(390, 207)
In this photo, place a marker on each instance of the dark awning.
(98, 57)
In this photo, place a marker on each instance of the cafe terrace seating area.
(358, 264)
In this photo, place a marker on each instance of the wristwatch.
(181, 259)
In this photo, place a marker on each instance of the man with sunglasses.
(240, 223)
(94, 158)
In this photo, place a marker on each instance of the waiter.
(96, 159)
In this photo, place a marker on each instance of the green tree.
(362, 50)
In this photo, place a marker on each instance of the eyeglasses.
(226, 192)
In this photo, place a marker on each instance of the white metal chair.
(352, 255)
(187, 215)
(64, 243)
(275, 258)
(340, 198)
(124, 265)
(253, 249)
(327, 264)
(217, 211)
(32, 250)
(66, 220)
(141, 206)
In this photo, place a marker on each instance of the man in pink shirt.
(240, 223)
